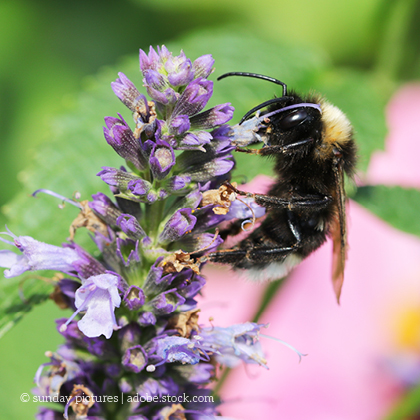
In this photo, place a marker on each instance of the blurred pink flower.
(399, 163)
(345, 375)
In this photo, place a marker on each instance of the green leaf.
(398, 206)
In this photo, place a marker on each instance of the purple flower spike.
(135, 359)
(213, 117)
(161, 160)
(181, 222)
(176, 152)
(36, 255)
(203, 66)
(98, 296)
(194, 98)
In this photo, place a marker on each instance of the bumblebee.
(311, 142)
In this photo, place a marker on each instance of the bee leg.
(275, 150)
(249, 257)
(248, 254)
(310, 201)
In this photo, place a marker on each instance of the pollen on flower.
(221, 198)
(164, 156)
(178, 261)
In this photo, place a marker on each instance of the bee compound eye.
(293, 119)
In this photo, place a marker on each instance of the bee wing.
(339, 233)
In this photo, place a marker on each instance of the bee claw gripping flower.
(135, 330)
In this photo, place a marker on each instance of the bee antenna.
(256, 76)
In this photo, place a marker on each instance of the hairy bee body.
(311, 142)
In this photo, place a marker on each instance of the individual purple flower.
(153, 79)
(120, 136)
(181, 222)
(200, 241)
(98, 296)
(127, 92)
(218, 115)
(203, 66)
(194, 98)
(147, 318)
(235, 343)
(134, 298)
(139, 186)
(166, 302)
(130, 226)
(177, 183)
(162, 159)
(195, 141)
(149, 61)
(175, 349)
(116, 177)
(244, 208)
(36, 255)
(135, 359)
(105, 208)
(180, 124)
(180, 70)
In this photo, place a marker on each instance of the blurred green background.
(50, 52)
